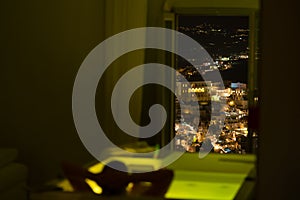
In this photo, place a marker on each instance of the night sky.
(230, 22)
(229, 26)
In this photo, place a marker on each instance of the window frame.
(249, 8)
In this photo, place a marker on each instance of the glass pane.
(226, 39)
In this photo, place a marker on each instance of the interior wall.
(43, 44)
(278, 156)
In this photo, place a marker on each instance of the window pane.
(226, 39)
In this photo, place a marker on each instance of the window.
(229, 34)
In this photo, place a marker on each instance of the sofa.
(13, 176)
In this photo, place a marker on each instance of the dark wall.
(278, 167)
(43, 43)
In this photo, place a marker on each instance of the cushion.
(12, 174)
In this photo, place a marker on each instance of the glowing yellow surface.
(204, 185)
(214, 177)
(65, 185)
(95, 187)
(97, 168)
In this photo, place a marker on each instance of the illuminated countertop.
(215, 176)
(204, 185)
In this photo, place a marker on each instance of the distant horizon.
(220, 43)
